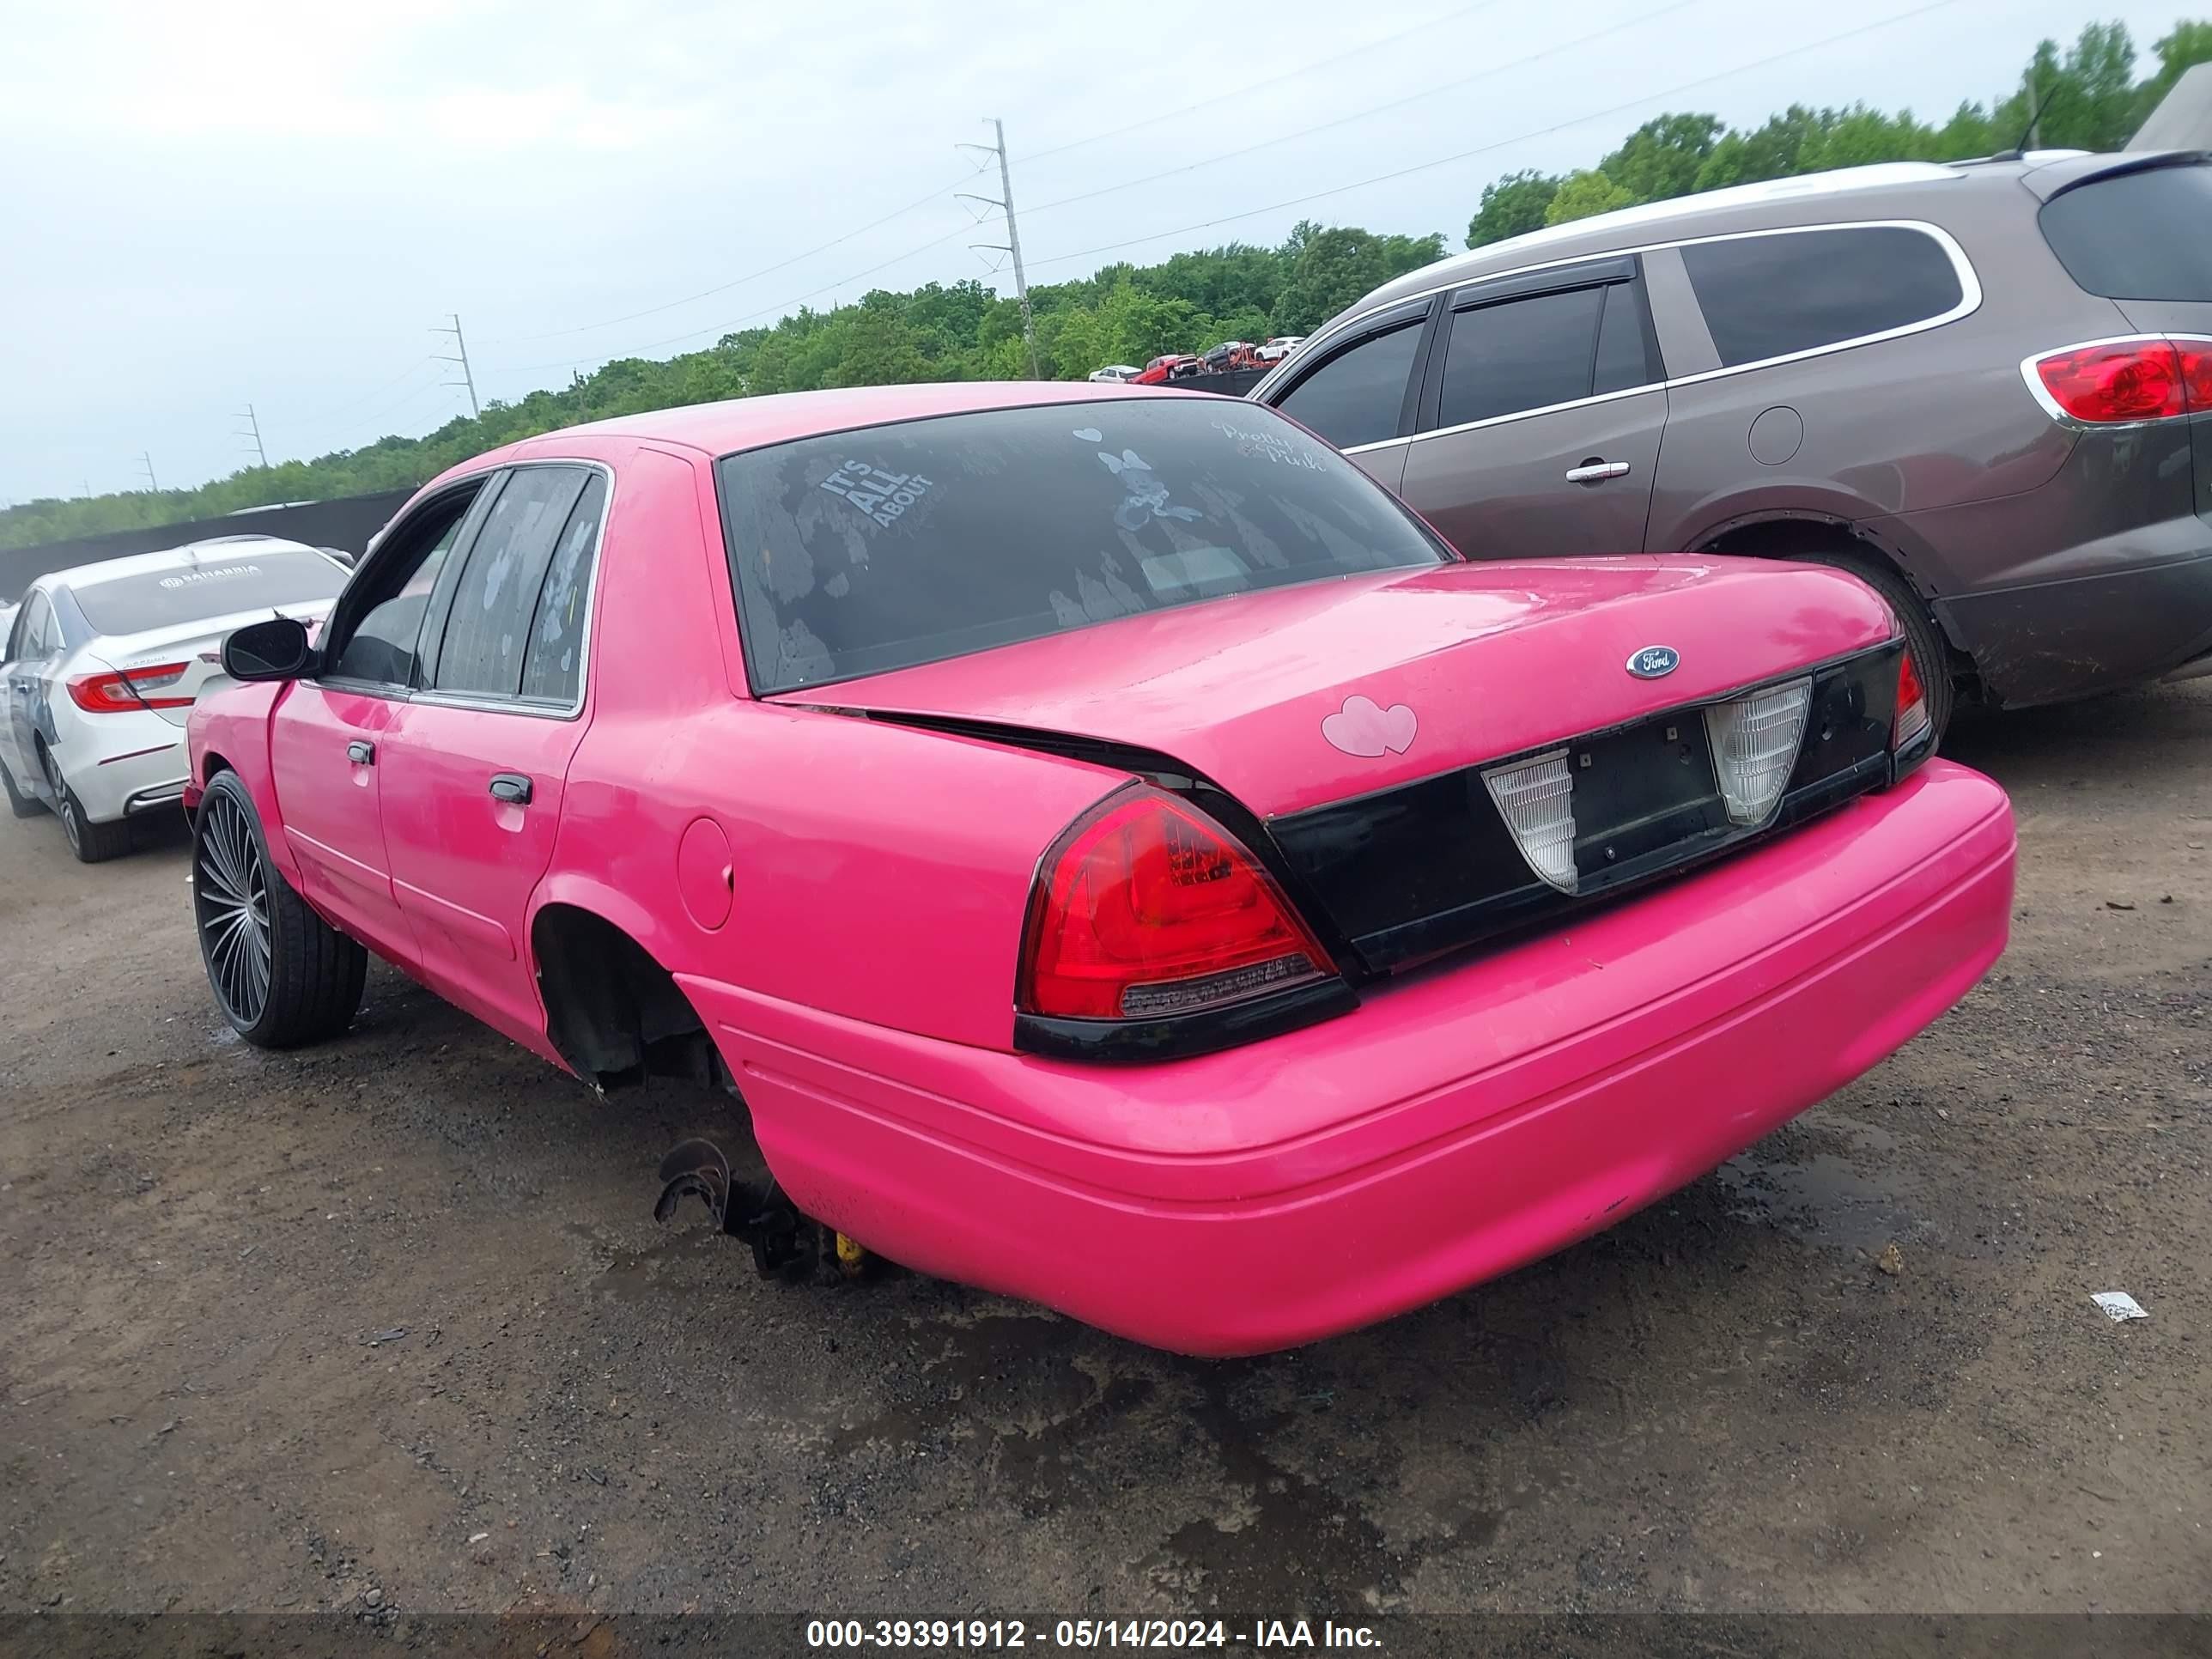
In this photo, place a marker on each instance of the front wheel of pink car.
(281, 975)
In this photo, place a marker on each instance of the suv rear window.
(858, 552)
(1771, 295)
(221, 584)
(2142, 235)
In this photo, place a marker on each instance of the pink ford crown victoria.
(1117, 855)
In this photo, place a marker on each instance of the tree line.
(2086, 98)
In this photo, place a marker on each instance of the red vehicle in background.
(1160, 370)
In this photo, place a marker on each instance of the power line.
(1483, 149)
(331, 417)
(1610, 30)
(1005, 203)
(1244, 90)
(468, 376)
(766, 311)
(937, 194)
(253, 424)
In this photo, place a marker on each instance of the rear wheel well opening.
(612, 1011)
(1831, 542)
(1797, 538)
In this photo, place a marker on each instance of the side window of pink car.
(381, 644)
(514, 628)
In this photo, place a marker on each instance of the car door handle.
(511, 788)
(1595, 471)
(361, 752)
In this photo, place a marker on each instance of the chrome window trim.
(2056, 410)
(1970, 300)
(1419, 311)
(486, 704)
(1522, 415)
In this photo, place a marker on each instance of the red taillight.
(134, 688)
(1911, 721)
(2136, 381)
(2127, 380)
(2195, 373)
(1147, 907)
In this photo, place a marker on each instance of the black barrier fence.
(346, 524)
(1235, 383)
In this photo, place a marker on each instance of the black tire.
(281, 975)
(22, 805)
(1931, 658)
(93, 843)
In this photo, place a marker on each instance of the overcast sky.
(210, 204)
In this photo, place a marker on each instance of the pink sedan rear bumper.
(1456, 1126)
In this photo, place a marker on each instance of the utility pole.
(1005, 203)
(468, 379)
(146, 457)
(254, 423)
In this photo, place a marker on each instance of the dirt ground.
(389, 1324)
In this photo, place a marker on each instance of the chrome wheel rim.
(65, 803)
(230, 896)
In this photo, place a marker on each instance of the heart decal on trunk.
(1363, 727)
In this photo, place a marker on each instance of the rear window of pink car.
(858, 552)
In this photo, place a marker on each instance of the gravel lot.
(388, 1324)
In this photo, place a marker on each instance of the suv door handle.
(512, 788)
(1596, 471)
(361, 752)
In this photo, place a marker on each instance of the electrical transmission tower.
(146, 459)
(1005, 202)
(253, 431)
(468, 377)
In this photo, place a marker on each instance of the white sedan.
(104, 662)
(1114, 371)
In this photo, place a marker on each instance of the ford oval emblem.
(1654, 662)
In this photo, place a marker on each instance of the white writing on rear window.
(882, 495)
(214, 573)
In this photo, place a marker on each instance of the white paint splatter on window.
(1148, 494)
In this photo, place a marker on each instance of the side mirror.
(273, 650)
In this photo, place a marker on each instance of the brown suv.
(1984, 386)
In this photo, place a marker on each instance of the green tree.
(1511, 206)
(1335, 267)
(1662, 158)
(875, 346)
(1860, 136)
(1585, 193)
(2190, 45)
(2091, 103)
(1771, 151)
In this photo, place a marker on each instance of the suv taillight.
(1910, 724)
(1146, 910)
(2126, 380)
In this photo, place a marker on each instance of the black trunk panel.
(1408, 872)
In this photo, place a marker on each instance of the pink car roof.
(749, 422)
